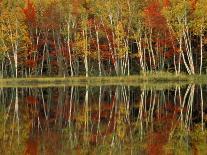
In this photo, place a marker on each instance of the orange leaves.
(30, 13)
(31, 147)
(153, 16)
(31, 63)
(193, 4)
(31, 100)
(166, 3)
(76, 6)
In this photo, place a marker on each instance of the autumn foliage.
(68, 38)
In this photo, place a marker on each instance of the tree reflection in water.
(103, 119)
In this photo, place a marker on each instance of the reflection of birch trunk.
(117, 98)
(86, 112)
(113, 110)
(99, 108)
(70, 110)
(189, 107)
(128, 102)
(202, 121)
(183, 104)
(140, 114)
(16, 114)
(152, 108)
(125, 100)
(59, 114)
(116, 103)
(175, 95)
(43, 102)
(17, 111)
(179, 96)
(8, 111)
(152, 105)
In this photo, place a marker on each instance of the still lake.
(103, 120)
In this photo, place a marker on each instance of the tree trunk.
(85, 51)
(201, 48)
(16, 61)
(69, 52)
(99, 52)
(183, 56)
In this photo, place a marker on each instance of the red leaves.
(166, 3)
(31, 63)
(31, 147)
(30, 13)
(153, 16)
(193, 4)
(31, 100)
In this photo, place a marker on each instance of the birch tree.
(15, 36)
(199, 25)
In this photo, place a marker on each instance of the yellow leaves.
(205, 41)
(179, 51)
(199, 20)
(120, 30)
(122, 109)
(81, 118)
(80, 43)
(121, 131)
(13, 27)
(14, 34)
(122, 51)
(3, 49)
(120, 40)
(139, 54)
(121, 127)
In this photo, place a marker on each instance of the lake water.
(103, 120)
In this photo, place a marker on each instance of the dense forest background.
(102, 37)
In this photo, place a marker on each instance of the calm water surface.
(103, 120)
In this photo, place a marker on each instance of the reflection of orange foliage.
(156, 142)
(53, 53)
(103, 115)
(107, 106)
(164, 124)
(67, 111)
(31, 100)
(174, 108)
(31, 147)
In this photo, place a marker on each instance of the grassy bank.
(156, 78)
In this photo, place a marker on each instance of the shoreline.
(132, 80)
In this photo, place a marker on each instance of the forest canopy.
(102, 37)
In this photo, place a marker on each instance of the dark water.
(103, 120)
